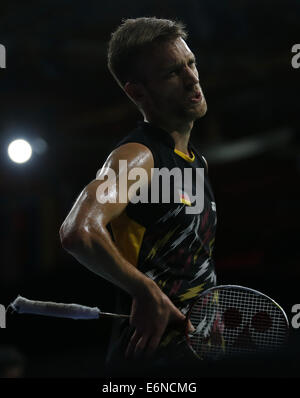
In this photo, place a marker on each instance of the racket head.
(233, 320)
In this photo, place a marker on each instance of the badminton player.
(157, 254)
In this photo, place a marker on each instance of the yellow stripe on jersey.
(197, 253)
(211, 246)
(216, 297)
(185, 156)
(161, 243)
(184, 198)
(192, 292)
(185, 202)
(128, 236)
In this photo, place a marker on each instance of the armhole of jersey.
(205, 161)
(155, 159)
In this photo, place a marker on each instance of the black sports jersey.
(164, 241)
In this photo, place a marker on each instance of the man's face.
(172, 88)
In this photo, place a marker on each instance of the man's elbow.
(70, 238)
(78, 239)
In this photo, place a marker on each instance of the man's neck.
(180, 134)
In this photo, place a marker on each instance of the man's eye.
(172, 73)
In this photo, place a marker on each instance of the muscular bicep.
(126, 170)
(106, 197)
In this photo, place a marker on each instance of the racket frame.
(189, 335)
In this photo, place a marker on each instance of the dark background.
(57, 87)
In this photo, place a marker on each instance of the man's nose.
(190, 76)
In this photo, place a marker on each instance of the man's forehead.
(170, 52)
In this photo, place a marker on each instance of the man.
(158, 255)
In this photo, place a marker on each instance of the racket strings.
(235, 321)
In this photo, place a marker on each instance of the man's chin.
(199, 111)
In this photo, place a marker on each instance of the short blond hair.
(132, 38)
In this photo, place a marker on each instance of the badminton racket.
(229, 320)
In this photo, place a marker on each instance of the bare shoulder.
(133, 154)
(128, 156)
(95, 202)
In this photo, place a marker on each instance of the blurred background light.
(19, 151)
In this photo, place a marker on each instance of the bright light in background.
(19, 151)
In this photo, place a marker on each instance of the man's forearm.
(97, 252)
(151, 309)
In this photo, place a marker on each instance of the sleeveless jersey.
(164, 241)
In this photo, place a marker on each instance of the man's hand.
(151, 313)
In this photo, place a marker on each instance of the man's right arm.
(84, 234)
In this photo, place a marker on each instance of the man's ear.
(135, 91)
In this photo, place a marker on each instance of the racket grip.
(74, 311)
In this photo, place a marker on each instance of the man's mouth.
(196, 97)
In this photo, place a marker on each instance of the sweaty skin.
(84, 234)
(165, 100)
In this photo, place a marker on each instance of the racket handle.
(111, 315)
(22, 305)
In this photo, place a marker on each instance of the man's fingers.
(153, 344)
(177, 318)
(132, 343)
(140, 346)
(176, 315)
(136, 344)
(190, 327)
